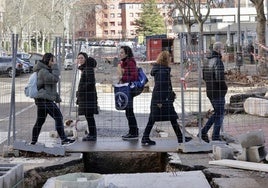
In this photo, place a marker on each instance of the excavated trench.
(112, 163)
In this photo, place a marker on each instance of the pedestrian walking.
(47, 78)
(216, 89)
(87, 99)
(163, 97)
(251, 52)
(127, 71)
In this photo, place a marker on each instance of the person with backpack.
(216, 89)
(87, 99)
(163, 97)
(127, 71)
(47, 78)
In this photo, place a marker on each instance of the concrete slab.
(236, 182)
(192, 179)
(195, 145)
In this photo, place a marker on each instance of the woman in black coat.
(163, 96)
(87, 99)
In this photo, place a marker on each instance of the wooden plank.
(241, 164)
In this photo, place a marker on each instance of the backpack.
(137, 87)
(31, 88)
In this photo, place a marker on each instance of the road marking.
(19, 112)
(3, 136)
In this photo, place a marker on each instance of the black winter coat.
(162, 108)
(87, 99)
(213, 74)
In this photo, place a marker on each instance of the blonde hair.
(164, 58)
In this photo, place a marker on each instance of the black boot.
(204, 137)
(146, 141)
(90, 138)
(187, 139)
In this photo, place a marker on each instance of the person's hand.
(120, 71)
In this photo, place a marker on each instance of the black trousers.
(151, 123)
(45, 107)
(91, 124)
(132, 122)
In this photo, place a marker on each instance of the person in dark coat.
(128, 72)
(251, 52)
(216, 89)
(163, 96)
(47, 78)
(87, 99)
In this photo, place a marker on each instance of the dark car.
(6, 66)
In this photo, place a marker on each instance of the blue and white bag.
(138, 86)
(122, 96)
(31, 88)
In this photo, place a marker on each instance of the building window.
(105, 7)
(137, 15)
(112, 32)
(119, 23)
(111, 6)
(105, 15)
(131, 14)
(112, 15)
(130, 6)
(105, 24)
(118, 15)
(106, 32)
(112, 23)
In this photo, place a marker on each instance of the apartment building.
(115, 20)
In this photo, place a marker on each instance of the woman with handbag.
(127, 71)
(163, 96)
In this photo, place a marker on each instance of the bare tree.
(192, 8)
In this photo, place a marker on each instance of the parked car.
(27, 67)
(6, 66)
(35, 57)
(23, 56)
(68, 62)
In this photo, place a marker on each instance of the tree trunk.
(261, 22)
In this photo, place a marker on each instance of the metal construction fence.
(18, 113)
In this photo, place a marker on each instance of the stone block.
(242, 156)
(256, 106)
(223, 152)
(253, 138)
(256, 153)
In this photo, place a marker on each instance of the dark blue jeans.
(216, 118)
(45, 107)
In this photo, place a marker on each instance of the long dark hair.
(127, 50)
(46, 58)
(83, 54)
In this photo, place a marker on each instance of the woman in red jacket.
(127, 70)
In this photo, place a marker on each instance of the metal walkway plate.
(118, 145)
